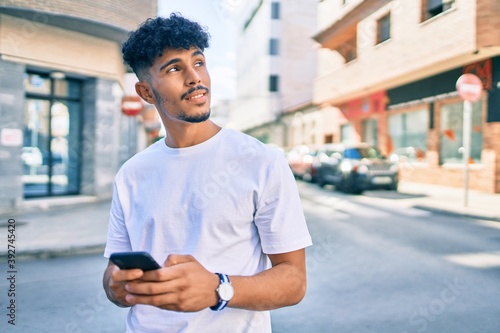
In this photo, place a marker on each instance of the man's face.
(181, 85)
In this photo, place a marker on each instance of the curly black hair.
(156, 35)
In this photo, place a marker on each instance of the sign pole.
(466, 148)
(469, 87)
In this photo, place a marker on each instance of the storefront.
(61, 86)
(426, 119)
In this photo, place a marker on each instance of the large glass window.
(408, 132)
(50, 154)
(451, 133)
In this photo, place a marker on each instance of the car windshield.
(360, 153)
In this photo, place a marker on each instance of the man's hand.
(183, 284)
(115, 280)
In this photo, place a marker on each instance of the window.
(384, 28)
(409, 131)
(431, 8)
(370, 130)
(274, 83)
(273, 46)
(275, 10)
(51, 157)
(451, 133)
(347, 133)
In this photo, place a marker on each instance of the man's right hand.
(114, 281)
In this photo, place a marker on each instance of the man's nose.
(192, 77)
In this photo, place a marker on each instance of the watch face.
(226, 291)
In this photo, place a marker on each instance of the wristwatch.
(225, 292)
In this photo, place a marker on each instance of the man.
(218, 208)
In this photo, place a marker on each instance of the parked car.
(354, 168)
(408, 155)
(300, 159)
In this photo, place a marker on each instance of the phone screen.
(131, 260)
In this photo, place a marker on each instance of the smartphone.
(131, 260)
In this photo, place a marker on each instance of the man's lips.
(196, 96)
(195, 93)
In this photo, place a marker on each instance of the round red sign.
(469, 87)
(131, 105)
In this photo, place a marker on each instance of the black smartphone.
(131, 260)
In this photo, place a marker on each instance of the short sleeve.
(118, 239)
(279, 215)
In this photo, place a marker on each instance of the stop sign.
(469, 87)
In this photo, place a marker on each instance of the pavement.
(51, 227)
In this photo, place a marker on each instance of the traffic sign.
(131, 105)
(469, 87)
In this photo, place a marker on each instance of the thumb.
(175, 259)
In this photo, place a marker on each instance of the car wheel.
(348, 186)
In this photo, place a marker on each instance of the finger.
(166, 301)
(153, 288)
(175, 259)
(126, 274)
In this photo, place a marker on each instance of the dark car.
(354, 168)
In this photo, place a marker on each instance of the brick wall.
(488, 23)
(125, 14)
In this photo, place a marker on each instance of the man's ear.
(142, 89)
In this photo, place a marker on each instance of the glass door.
(35, 149)
(51, 155)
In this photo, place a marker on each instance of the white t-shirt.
(228, 202)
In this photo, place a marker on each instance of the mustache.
(193, 89)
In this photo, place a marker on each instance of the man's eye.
(199, 63)
(173, 69)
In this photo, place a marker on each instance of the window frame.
(383, 28)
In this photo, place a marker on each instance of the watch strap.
(222, 303)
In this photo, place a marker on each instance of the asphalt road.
(375, 266)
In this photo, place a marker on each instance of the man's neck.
(190, 134)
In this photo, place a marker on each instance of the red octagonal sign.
(469, 87)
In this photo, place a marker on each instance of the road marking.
(476, 260)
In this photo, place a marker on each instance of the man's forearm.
(280, 286)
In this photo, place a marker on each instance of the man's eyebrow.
(168, 63)
(176, 60)
(197, 52)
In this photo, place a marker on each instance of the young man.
(218, 208)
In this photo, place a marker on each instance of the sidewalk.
(77, 225)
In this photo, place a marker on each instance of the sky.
(218, 17)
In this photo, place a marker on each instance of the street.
(377, 266)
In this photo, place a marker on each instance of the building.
(62, 82)
(275, 66)
(390, 67)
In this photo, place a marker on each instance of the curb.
(54, 253)
(445, 211)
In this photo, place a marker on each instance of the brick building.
(388, 71)
(62, 80)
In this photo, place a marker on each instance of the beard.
(183, 116)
